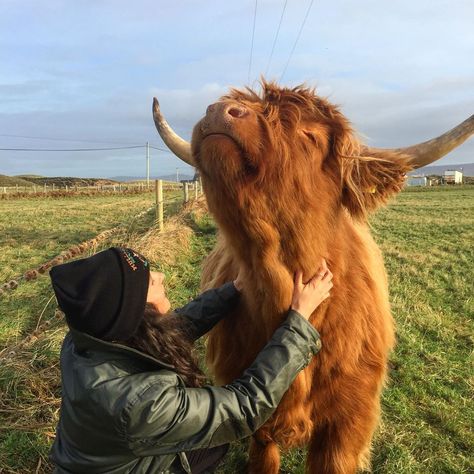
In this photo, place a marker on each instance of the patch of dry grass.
(163, 247)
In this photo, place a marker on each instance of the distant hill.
(13, 181)
(466, 168)
(62, 181)
(28, 176)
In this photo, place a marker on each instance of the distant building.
(417, 180)
(434, 180)
(452, 177)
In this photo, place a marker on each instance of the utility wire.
(297, 38)
(161, 149)
(62, 139)
(71, 149)
(276, 37)
(85, 149)
(253, 36)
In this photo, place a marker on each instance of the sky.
(82, 74)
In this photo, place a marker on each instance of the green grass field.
(427, 238)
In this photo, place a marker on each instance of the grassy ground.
(426, 236)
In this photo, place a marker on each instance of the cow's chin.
(216, 141)
(220, 156)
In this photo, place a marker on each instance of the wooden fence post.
(186, 193)
(159, 203)
(196, 190)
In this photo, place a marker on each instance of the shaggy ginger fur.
(286, 182)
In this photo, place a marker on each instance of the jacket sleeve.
(169, 419)
(204, 312)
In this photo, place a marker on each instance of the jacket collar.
(85, 342)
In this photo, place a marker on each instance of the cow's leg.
(264, 458)
(341, 443)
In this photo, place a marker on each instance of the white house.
(452, 177)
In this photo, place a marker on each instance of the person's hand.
(307, 297)
(239, 281)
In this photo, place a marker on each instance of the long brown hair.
(167, 338)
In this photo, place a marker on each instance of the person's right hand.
(307, 297)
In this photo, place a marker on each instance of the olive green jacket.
(123, 411)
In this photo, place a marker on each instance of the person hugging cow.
(133, 396)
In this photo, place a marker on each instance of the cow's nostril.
(237, 112)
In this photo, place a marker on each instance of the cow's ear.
(368, 179)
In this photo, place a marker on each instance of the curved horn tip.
(156, 105)
(181, 148)
(422, 154)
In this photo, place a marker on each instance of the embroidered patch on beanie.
(131, 258)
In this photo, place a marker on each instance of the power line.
(276, 37)
(62, 139)
(253, 35)
(85, 149)
(161, 149)
(297, 38)
(72, 149)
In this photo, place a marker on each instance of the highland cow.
(288, 183)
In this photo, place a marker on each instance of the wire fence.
(63, 188)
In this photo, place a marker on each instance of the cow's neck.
(272, 247)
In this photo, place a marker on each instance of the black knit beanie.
(103, 295)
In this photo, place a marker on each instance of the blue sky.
(83, 73)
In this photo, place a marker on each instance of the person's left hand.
(239, 281)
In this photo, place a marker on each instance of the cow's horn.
(181, 148)
(425, 153)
